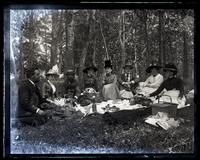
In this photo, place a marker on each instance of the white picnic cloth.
(121, 104)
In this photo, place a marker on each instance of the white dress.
(153, 84)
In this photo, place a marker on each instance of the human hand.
(41, 112)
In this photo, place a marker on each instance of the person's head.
(108, 70)
(128, 67)
(108, 67)
(33, 74)
(70, 74)
(170, 70)
(153, 69)
(90, 70)
(50, 77)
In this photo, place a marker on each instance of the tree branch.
(104, 39)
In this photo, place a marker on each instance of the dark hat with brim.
(90, 68)
(170, 67)
(108, 64)
(151, 66)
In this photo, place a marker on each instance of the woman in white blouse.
(153, 81)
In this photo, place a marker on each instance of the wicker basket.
(170, 108)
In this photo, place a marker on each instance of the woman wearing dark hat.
(172, 87)
(110, 89)
(153, 81)
(90, 80)
(126, 81)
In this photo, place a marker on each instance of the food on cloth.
(114, 109)
(59, 102)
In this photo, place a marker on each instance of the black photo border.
(57, 4)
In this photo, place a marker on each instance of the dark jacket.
(71, 87)
(29, 99)
(125, 78)
(169, 84)
(90, 82)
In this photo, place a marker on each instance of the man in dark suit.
(30, 100)
(71, 84)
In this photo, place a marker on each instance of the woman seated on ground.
(153, 81)
(49, 89)
(172, 87)
(126, 82)
(90, 80)
(110, 89)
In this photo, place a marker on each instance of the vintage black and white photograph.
(101, 81)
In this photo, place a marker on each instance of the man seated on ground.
(71, 84)
(153, 81)
(172, 87)
(30, 100)
(126, 82)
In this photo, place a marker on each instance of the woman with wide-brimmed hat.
(110, 89)
(126, 81)
(90, 80)
(49, 89)
(153, 81)
(172, 86)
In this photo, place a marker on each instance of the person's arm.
(147, 80)
(181, 88)
(25, 98)
(157, 83)
(158, 91)
(96, 85)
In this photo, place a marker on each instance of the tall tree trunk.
(69, 56)
(31, 38)
(122, 42)
(86, 41)
(54, 40)
(185, 56)
(161, 44)
(148, 57)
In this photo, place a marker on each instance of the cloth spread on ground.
(102, 107)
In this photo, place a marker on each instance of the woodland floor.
(118, 133)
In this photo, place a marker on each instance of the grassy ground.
(117, 133)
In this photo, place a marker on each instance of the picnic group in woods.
(35, 92)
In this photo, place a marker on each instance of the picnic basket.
(167, 107)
